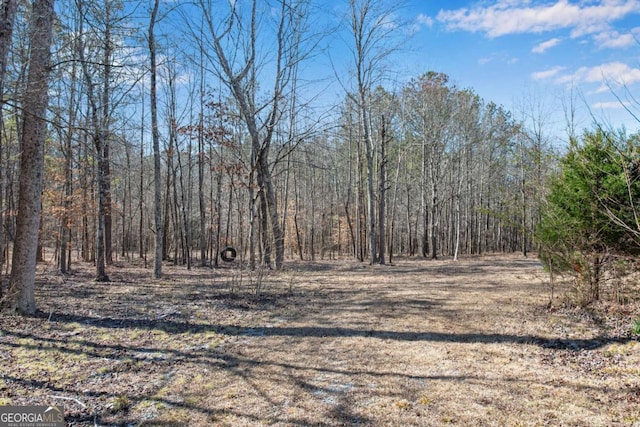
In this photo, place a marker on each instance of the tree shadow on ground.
(247, 368)
(179, 327)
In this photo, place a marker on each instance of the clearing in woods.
(328, 344)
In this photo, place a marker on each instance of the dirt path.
(419, 343)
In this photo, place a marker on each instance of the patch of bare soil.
(422, 343)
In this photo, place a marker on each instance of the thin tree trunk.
(295, 218)
(101, 274)
(381, 191)
(201, 161)
(285, 197)
(100, 135)
(65, 232)
(393, 208)
(371, 202)
(360, 224)
(216, 243)
(264, 231)
(141, 193)
(433, 224)
(159, 229)
(84, 184)
(183, 225)
(105, 165)
(127, 210)
(523, 180)
(423, 202)
(347, 203)
(252, 224)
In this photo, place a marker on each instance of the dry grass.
(423, 343)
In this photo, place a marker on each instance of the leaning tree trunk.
(21, 294)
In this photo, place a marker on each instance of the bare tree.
(21, 294)
(234, 43)
(467, 118)
(430, 123)
(99, 137)
(372, 26)
(534, 148)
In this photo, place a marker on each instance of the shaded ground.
(419, 343)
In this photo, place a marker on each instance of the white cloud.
(542, 47)
(606, 75)
(610, 105)
(499, 57)
(520, 16)
(425, 20)
(421, 21)
(614, 40)
(541, 75)
(388, 21)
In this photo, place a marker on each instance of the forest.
(195, 231)
(161, 153)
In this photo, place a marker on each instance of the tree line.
(171, 133)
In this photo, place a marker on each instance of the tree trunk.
(101, 274)
(371, 195)
(381, 191)
(433, 222)
(359, 216)
(423, 202)
(393, 209)
(159, 229)
(216, 243)
(141, 234)
(8, 10)
(21, 294)
(347, 203)
(84, 184)
(65, 232)
(264, 231)
(104, 175)
(523, 182)
(202, 208)
(295, 219)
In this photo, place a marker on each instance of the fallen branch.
(72, 399)
(162, 316)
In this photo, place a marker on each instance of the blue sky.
(521, 52)
(511, 50)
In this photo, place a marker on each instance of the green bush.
(591, 210)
